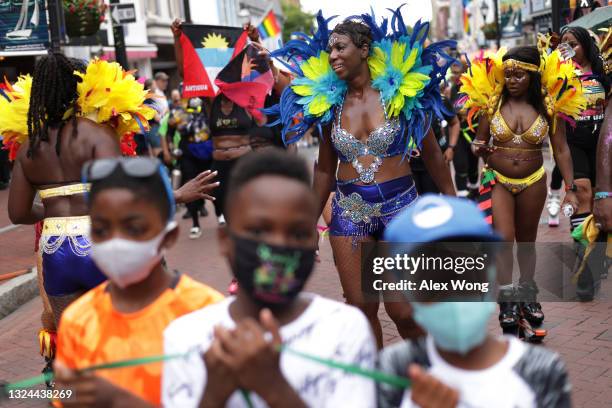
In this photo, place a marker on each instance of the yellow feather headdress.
(484, 82)
(14, 106)
(483, 85)
(107, 94)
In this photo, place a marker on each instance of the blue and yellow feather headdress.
(405, 71)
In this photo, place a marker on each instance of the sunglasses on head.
(139, 167)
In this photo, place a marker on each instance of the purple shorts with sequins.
(359, 210)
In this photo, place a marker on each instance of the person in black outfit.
(230, 127)
(447, 133)
(196, 148)
(264, 136)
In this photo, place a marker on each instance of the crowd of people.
(392, 112)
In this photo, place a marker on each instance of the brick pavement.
(580, 332)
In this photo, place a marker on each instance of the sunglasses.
(138, 167)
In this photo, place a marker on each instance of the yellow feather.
(14, 117)
(303, 90)
(319, 105)
(108, 92)
(397, 54)
(409, 63)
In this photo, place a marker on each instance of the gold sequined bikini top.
(535, 135)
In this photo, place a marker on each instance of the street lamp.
(484, 10)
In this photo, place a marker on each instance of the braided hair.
(358, 32)
(54, 91)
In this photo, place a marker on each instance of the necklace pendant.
(516, 139)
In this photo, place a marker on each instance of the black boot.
(508, 310)
(531, 309)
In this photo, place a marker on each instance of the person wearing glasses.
(132, 208)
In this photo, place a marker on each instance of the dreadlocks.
(54, 91)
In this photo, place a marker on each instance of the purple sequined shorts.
(359, 210)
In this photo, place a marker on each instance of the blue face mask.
(455, 326)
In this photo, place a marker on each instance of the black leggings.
(190, 168)
(466, 165)
(224, 168)
(556, 179)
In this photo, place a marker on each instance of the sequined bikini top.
(535, 135)
(384, 141)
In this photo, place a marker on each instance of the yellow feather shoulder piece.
(110, 95)
(14, 106)
(564, 96)
(482, 85)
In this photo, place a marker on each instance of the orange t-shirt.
(92, 332)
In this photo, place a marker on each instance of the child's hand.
(86, 389)
(221, 382)
(428, 392)
(252, 353)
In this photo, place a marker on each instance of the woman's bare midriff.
(64, 169)
(230, 147)
(516, 163)
(391, 168)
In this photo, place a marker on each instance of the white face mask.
(126, 262)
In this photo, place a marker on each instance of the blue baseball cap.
(437, 218)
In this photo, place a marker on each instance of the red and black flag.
(206, 50)
(247, 79)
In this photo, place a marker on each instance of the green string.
(378, 376)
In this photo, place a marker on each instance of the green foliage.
(295, 20)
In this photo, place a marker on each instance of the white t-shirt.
(161, 101)
(498, 386)
(326, 329)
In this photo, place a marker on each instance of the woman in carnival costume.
(63, 116)
(373, 89)
(52, 123)
(519, 96)
(582, 138)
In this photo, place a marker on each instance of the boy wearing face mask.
(269, 243)
(458, 363)
(132, 210)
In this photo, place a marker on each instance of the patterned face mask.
(271, 275)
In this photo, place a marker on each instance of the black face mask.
(271, 275)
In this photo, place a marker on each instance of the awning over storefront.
(133, 52)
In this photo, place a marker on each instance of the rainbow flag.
(269, 26)
(466, 17)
